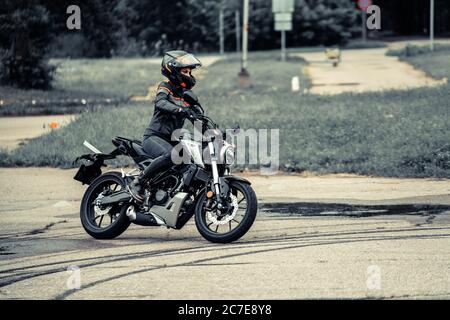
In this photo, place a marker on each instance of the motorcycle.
(224, 205)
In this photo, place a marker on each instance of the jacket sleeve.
(163, 104)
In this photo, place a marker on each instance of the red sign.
(364, 4)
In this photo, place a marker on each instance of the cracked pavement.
(314, 237)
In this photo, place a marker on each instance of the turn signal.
(209, 194)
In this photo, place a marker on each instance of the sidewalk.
(363, 70)
(17, 130)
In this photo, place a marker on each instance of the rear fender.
(87, 173)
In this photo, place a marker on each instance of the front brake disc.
(212, 217)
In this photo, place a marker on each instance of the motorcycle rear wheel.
(91, 220)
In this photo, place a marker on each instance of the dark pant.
(160, 150)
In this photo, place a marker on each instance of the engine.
(161, 196)
(164, 190)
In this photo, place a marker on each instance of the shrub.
(26, 32)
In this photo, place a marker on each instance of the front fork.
(219, 184)
(215, 171)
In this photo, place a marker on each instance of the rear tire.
(245, 223)
(87, 214)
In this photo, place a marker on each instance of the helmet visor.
(188, 61)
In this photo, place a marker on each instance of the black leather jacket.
(167, 116)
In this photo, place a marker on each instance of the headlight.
(229, 155)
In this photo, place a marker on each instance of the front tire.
(91, 221)
(249, 215)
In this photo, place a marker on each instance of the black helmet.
(173, 62)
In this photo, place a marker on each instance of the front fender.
(226, 180)
(236, 178)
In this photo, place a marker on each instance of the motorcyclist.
(170, 113)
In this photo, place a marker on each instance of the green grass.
(435, 64)
(268, 75)
(93, 80)
(395, 133)
(359, 44)
(107, 77)
(415, 50)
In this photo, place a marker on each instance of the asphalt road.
(315, 237)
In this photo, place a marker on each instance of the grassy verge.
(267, 73)
(370, 44)
(435, 64)
(81, 84)
(395, 133)
(414, 50)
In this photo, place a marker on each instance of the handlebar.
(207, 121)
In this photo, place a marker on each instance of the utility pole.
(283, 45)
(221, 36)
(244, 76)
(245, 36)
(363, 24)
(237, 17)
(432, 25)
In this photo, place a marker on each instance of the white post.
(221, 36)
(238, 30)
(295, 84)
(245, 36)
(432, 25)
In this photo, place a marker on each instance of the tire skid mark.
(256, 240)
(233, 255)
(274, 239)
(127, 256)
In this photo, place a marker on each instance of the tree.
(314, 22)
(100, 26)
(173, 24)
(325, 22)
(25, 35)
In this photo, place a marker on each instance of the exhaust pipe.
(143, 219)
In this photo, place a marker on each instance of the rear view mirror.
(190, 97)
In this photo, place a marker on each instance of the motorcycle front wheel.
(232, 226)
